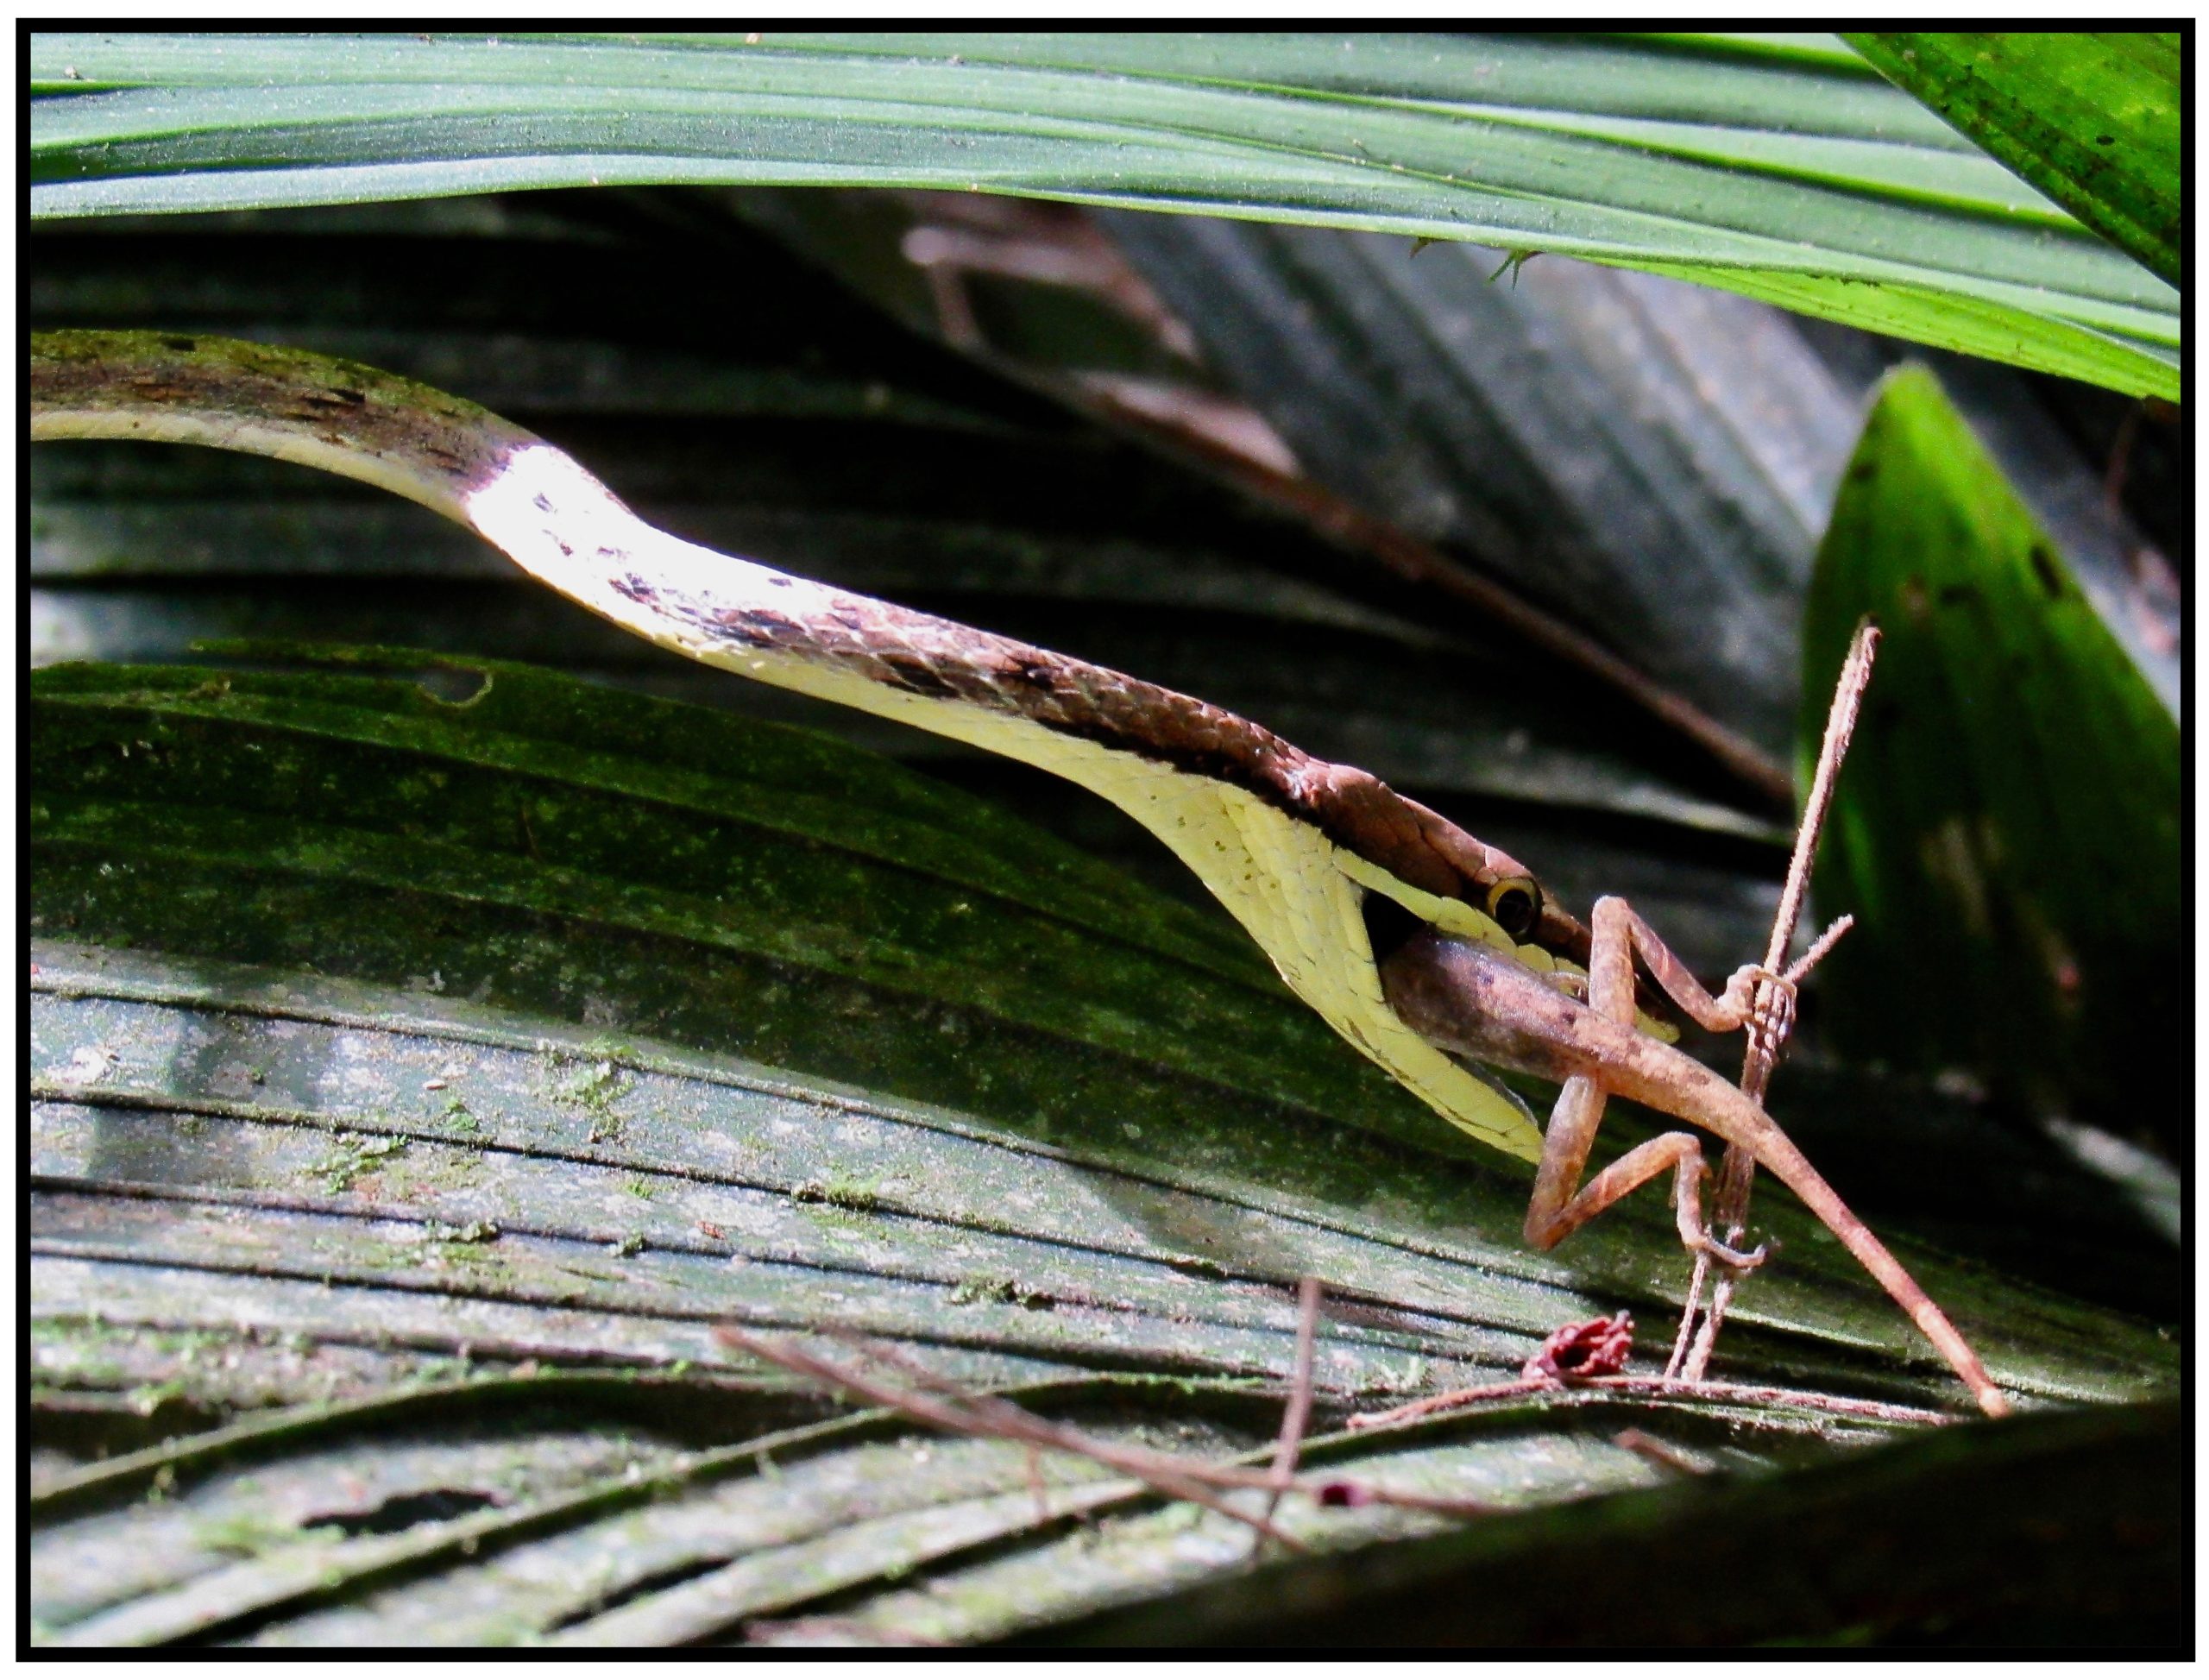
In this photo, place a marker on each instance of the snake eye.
(1516, 903)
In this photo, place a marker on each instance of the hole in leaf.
(404, 1511)
(452, 685)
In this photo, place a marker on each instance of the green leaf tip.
(2007, 829)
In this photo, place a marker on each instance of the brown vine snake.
(1312, 858)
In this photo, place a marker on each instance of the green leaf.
(785, 867)
(595, 858)
(2007, 832)
(2061, 1531)
(1783, 174)
(404, 1122)
(2091, 120)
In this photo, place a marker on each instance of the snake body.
(1293, 847)
(1290, 844)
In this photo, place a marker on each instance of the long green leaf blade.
(414, 1172)
(1794, 175)
(1973, 1525)
(570, 852)
(370, 1317)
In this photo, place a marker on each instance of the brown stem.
(1653, 1387)
(1729, 1211)
(1297, 1412)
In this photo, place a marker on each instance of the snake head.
(1424, 850)
(1491, 879)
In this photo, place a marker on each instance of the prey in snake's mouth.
(1428, 950)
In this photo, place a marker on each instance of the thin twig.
(1515, 1388)
(1705, 1341)
(1297, 1412)
(943, 1404)
(993, 1416)
(1002, 1416)
(1810, 958)
(1771, 1015)
(1653, 1387)
(1032, 1460)
(1840, 723)
(1682, 1343)
(1753, 1393)
(1645, 1445)
(983, 1415)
